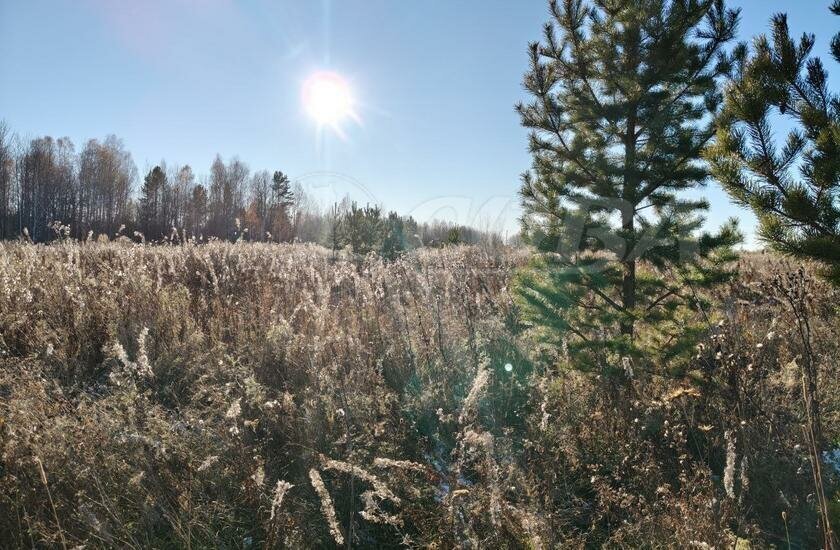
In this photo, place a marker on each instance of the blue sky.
(435, 83)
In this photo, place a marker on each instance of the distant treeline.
(48, 190)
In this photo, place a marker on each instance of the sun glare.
(327, 98)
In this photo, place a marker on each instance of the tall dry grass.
(253, 395)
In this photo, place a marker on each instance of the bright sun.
(327, 98)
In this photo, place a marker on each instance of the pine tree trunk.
(628, 212)
(628, 287)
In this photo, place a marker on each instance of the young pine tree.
(364, 228)
(622, 93)
(394, 240)
(794, 190)
(335, 237)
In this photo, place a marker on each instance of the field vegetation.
(268, 395)
(224, 362)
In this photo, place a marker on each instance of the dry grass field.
(258, 395)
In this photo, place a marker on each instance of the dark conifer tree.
(281, 189)
(394, 242)
(151, 204)
(363, 228)
(453, 236)
(622, 93)
(335, 237)
(793, 189)
(196, 215)
(282, 199)
(7, 163)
